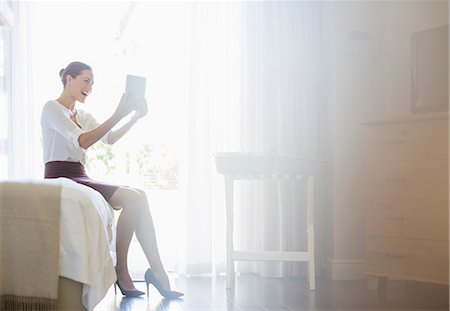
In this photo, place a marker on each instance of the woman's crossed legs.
(135, 217)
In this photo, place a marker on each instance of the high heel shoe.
(151, 279)
(127, 293)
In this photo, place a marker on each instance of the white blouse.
(60, 134)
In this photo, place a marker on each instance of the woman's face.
(80, 86)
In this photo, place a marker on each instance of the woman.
(67, 133)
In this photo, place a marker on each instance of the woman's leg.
(145, 233)
(135, 216)
(128, 200)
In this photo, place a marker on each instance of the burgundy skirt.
(77, 172)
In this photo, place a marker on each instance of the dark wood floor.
(258, 293)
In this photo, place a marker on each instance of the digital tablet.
(135, 85)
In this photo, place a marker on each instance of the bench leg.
(229, 210)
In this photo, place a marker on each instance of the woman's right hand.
(125, 106)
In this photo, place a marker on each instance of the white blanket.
(87, 241)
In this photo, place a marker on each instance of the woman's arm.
(87, 139)
(115, 135)
(124, 108)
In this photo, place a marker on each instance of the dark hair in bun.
(73, 69)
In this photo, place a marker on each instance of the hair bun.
(61, 72)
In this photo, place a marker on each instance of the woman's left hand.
(141, 109)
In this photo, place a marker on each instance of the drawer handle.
(394, 218)
(393, 255)
(395, 142)
(395, 180)
(383, 205)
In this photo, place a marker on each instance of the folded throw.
(29, 245)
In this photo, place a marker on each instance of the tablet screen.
(135, 85)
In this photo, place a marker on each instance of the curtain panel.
(257, 83)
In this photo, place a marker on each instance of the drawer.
(424, 260)
(404, 141)
(437, 139)
(432, 180)
(422, 219)
(408, 180)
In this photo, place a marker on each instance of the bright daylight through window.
(115, 46)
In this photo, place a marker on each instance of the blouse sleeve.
(91, 123)
(55, 119)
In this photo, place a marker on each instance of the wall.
(415, 16)
(370, 80)
(356, 88)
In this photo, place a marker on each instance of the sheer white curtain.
(212, 108)
(284, 113)
(257, 83)
(25, 157)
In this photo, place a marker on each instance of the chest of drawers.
(407, 202)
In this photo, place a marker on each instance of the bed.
(82, 228)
